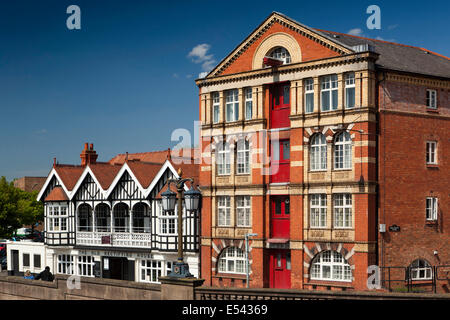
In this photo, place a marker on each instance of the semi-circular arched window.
(318, 154)
(420, 270)
(330, 265)
(232, 260)
(280, 53)
(343, 151)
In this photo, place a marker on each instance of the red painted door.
(280, 105)
(280, 269)
(280, 217)
(280, 161)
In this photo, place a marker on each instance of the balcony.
(114, 239)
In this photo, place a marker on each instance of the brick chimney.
(88, 155)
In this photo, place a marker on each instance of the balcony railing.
(120, 238)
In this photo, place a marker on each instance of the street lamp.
(192, 202)
(247, 235)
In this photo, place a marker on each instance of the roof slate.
(399, 57)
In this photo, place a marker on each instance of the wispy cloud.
(355, 32)
(382, 39)
(200, 55)
(41, 131)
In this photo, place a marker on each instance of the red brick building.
(314, 140)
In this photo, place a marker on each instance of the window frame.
(330, 259)
(350, 83)
(224, 211)
(431, 212)
(329, 84)
(59, 219)
(417, 269)
(431, 99)
(215, 97)
(85, 265)
(281, 53)
(248, 102)
(243, 157)
(223, 162)
(316, 153)
(243, 211)
(342, 151)
(232, 101)
(430, 152)
(234, 256)
(168, 220)
(152, 272)
(347, 211)
(309, 91)
(318, 206)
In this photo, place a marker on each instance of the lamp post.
(247, 235)
(192, 201)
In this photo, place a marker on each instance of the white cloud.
(355, 32)
(382, 39)
(199, 55)
(175, 75)
(202, 75)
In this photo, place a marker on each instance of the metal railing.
(406, 279)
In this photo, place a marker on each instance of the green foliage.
(17, 208)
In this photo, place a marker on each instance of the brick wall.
(405, 180)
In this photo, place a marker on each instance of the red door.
(280, 217)
(280, 105)
(280, 269)
(280, 161)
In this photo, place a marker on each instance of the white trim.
(80, 182)
(49, 178)
(158, 176)
(119, 175)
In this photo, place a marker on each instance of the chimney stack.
(88, 155)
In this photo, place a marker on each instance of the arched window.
(223, 158)
(330, 265)
(318, 152)
(343, 151)
(120, 213)
(420, 270)
(141, 218)
(280, 53)
(243, 157)
(102, 218)
(232, 260)
(84, 218)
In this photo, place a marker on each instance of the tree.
(17, 208)
(9, 213)
(31, 210)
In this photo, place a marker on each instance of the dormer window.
(280, 53)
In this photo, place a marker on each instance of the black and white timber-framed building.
(105, 219)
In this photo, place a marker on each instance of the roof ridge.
(384, 41)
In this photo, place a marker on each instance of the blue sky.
(125, 81)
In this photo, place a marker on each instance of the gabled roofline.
(273, 15)
(167, 165)
(119, 175)
(80, 182)
(53, 173)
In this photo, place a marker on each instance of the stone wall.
(17, 288)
